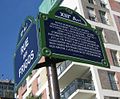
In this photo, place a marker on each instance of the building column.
(96, 81)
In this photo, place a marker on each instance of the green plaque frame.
(47, 51)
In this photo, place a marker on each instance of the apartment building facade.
(80, 80)
(6, 89)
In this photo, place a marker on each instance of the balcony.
(63, 66)
(91, 1)
(103, 3)
(92, 16)
(68, 71)
(79, 89)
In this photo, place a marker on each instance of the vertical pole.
(53, 82)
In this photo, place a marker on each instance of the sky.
(12, 15)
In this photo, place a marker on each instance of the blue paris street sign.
(26, 55)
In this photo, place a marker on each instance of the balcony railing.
(104, 20)
(63, 66)
(76, 84)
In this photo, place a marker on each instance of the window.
(11, 87)
(101, 30)
(91, 1)
(91, 14)
(112, 81)
(114, 58)
(103, 3)
(103, 17)
(5, 87)
(118, 19)
(0, 86)
(11, 94)
(1, 92)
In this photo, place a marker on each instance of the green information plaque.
(65, 34)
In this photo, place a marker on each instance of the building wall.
(21, 91)
(109, 56)
(35, 86)
(97, 7)
(111, 37)
(105, 83)
(44, 94)
(118, 80)
(115, 5)
(117, 21)
(6, 89)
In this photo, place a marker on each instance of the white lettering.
(65, 15)
(77, 20)
(32, 55)
(24, 46)
(24, 55)
(26, 63)
(24, 29)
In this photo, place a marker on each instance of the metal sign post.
(53, 82)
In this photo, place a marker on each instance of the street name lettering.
(27, 57)
(24, 46)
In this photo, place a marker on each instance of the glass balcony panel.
(63, 66)
(82, 84)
